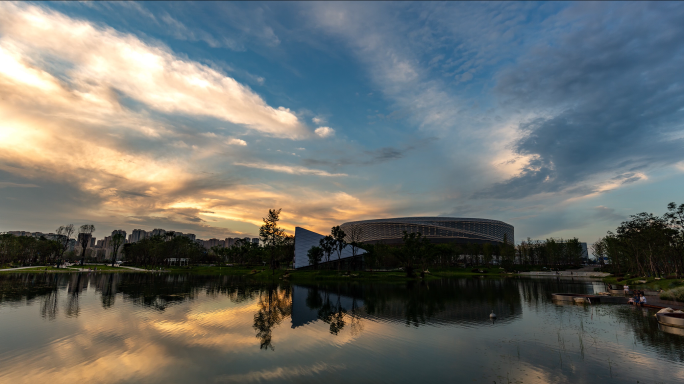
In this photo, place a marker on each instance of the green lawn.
(651, 283)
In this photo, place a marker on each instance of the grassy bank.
(261, 273)
(100, 268)
(650, 282)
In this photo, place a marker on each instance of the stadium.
(437, 229)
(391, 232)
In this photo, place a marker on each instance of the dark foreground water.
(131, 328)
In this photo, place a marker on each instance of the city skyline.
(561, 119)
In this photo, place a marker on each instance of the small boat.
(671, 319)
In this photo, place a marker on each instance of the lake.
(174, 328)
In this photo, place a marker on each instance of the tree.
(118, 239)
(85, 233)
(409, 255)
(272, 235)
(327, 244)
(487, 252)
(339, 244)
(315, 255)
(355, 236)
(64, 233)
(599, 250)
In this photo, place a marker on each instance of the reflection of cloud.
(281, 373)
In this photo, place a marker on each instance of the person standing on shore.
(626, 289)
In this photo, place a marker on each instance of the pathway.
(14, 269)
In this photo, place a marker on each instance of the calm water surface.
(129, 328)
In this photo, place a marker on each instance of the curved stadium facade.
(437, 229)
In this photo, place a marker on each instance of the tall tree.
(315, 255)
(355, 236)
(327, 244)
(85, 233)
(118, 239)
(272, 235)
(64, 232)
(340, 244)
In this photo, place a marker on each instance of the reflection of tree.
(107, 285)
(48, 305)
(646, 331)
(332, 313)
(355, 322)
(274, 305)
(77, 284)
(330, 310)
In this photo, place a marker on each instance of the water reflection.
(452, 301)
(185, 328)
(274, 305)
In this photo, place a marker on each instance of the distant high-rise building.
(255, 240)
(137, 235)
(107, 243)
(158, 232)
(92, 242)
(190, 236)
(211, 243)
(229, 241)
(19, 233)
(85, 237)
(71, 245)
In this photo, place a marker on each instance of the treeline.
(29, 250)
(156, 250)
(646, 245)
(417, 252)
(550, 252)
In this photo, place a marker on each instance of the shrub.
(673, 294)
(619, 279)
(670, 277)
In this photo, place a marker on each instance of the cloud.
(607, 99)
(607, 214)
(236, 142)
(5, 184)
(93, 60)
(318, 120)
(371, 157)
(294, 170)
(325, 132)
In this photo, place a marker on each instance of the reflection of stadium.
(391, 231)
(463, 302)
(437, 229)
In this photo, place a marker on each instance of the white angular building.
(305, 239)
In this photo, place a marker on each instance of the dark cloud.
(610, 86)
(607, 214)
(372, 157)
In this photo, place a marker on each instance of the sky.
(561, 119)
